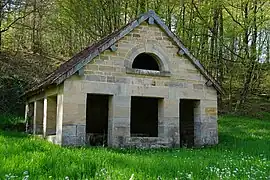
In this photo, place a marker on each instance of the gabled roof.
(74, 64)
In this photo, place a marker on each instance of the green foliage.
(243, 153)
(231, 39)
(11, 122)
(11, 89)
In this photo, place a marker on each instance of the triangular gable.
(84, 57)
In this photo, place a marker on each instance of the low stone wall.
(148, 142)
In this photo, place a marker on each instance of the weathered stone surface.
(111, 73)
(81, 130)
(198, 86)
(211, 111)
(69, 130)
(73, 141)
(205, 133)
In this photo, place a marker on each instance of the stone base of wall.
(73, 141)
(145, 142)
(73, 135)
(96, 139)
(205, 133)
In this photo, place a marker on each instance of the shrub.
(12, 123)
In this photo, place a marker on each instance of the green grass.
(243, 153)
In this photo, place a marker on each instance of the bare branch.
(237, 22)
(210, 29)
(17, 19)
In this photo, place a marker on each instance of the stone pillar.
(59, 121)
(119, 121)
(35, 118)
(205, 125)
(168, 125)
(45, 117)
(26, 116)
(74, 118)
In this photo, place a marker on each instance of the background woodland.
(230, 37)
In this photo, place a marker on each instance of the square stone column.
(119, 120)
(74, 118)
(45, 117)
(205, 123)
(35, 118)
(59, 121)
(168, 122)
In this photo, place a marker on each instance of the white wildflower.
(131, 178)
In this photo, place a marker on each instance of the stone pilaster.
(168, 125)
(205, 125)
(74, 116)
(119, 120)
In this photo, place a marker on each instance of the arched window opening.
(145, 61)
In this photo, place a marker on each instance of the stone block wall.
(110, 74)
(74, 113)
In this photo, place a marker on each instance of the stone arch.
(151, 49)
(146, 61)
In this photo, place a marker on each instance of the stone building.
(139, 86)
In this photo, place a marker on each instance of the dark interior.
(97, 119)
(145, 61)
(30, 118)
(187, 122)
(144, 117)
(52, 113)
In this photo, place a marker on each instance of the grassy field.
(243, 153)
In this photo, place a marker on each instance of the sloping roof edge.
(78, 61)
